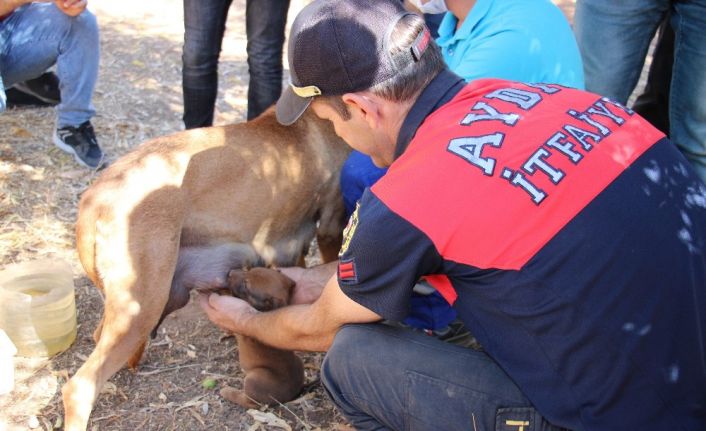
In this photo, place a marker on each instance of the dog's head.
(263, 288)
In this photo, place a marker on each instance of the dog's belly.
(277, 243)
(206, 266)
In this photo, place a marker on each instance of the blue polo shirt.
(521, 40)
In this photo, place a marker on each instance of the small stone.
(33, 422)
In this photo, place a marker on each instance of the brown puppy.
(271, 375)
(178, 212)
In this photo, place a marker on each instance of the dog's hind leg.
(134, 360)
(97, 331)
(135, 281)
(126, 326)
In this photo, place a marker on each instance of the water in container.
(38, 307)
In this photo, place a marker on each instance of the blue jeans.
(614, 37)
(382, 377)
(204, 26)
(38, 35)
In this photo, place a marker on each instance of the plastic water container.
(38, 307)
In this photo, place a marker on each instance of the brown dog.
(271, 375)
(178, 212)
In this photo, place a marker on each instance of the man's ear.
(362, 104)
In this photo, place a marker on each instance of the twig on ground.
(164, 370)
(306, 427)
(102, 418)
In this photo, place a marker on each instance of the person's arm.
(309, 327)
(8, 6)
(71, 7)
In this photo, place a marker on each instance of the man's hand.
(304, 291)
(311, 327)
(71, 7)
(226, 312)
(309, 281)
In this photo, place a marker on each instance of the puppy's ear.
(285, 281)
(235, 277)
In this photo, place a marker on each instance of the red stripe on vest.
(346, 271)
(443, 285)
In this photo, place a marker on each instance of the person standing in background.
(653, 103)
(204, 27)
(614, 38)
(36, 35)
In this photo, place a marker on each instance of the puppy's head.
(263, 288)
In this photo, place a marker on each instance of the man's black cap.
(341, 46)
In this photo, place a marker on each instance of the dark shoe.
(40, 91)
(81, 142)
(456, 333)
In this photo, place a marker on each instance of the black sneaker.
(457, 333)
(40, 91)
(454, 333)
(81, 142)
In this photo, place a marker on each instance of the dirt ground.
(138, 97)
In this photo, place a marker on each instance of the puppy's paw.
(238, 397)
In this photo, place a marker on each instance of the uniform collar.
(448, 34)
(440, 90)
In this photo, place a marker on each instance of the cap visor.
(290, 107)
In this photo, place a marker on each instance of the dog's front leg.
(329, 233)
